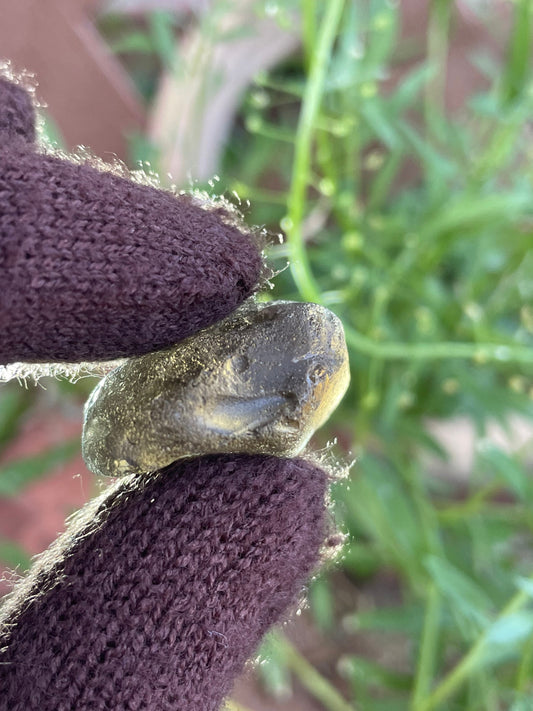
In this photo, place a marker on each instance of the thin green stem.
(525, 670)
(478, 502)
(437, 52)
(299, 262)
(309, 28)
(517, 69)
(461, 672)
(311, 679)
(427, 654)
(481, 352)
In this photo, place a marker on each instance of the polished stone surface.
(261, 381)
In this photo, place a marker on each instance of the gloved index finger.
(95, 266)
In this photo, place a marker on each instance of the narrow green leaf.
(14, 402)
(473, 213)
(410, 88)
(134, 42)
(322, 602)
(505, 637)
(13, 556)
(382, 33)
(525, 584)
(376, 116)
(436, 163)
(518, 67)
(507, 468)
(272, 668)
(16, 475)
(461, 591)
(162, 33)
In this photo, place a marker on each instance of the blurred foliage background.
(415, 225)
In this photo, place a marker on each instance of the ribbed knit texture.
(160, 608)
(94, 266)
(162, 588)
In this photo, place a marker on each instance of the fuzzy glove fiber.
(161, 589)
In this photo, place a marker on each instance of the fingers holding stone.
(168, 597)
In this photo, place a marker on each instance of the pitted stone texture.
(262, 381)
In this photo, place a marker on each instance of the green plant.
(19, 404)
(430, 269)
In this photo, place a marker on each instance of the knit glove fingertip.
(97, 266)
(161, 606)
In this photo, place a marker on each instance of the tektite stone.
(261, 381)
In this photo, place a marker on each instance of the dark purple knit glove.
(161, 589)
(166, 588)
(95, 266)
